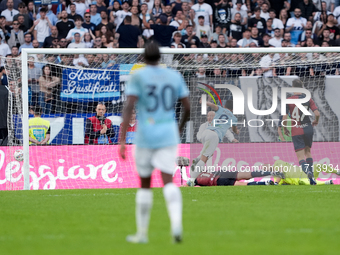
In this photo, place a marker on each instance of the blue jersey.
(221, 129)
(157, 89)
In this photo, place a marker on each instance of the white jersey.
(202, 10)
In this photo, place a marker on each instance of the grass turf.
(217, 220)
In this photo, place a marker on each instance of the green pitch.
(217, 220)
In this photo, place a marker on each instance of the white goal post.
(26, 52)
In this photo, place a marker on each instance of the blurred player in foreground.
(214, 134)
(295, 176)
(155, 90)
(302, 133)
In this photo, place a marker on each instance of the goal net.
(77, 94)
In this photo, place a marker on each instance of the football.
(19, 155)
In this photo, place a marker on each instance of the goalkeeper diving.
(294, 175)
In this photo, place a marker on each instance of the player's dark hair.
(151, 52)
(229, 104)
(37, 110)
(297, 83)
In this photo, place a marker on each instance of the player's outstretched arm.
(317, 117)
(127, 113)
(186, 104)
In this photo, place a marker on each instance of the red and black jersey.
(296, 114)
(207, 179)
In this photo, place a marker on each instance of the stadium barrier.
(88, 171)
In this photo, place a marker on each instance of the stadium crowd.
(176, 24)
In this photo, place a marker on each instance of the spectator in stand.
(167, 12)
(257, 21)
(105, 31)
(177, 40)
(79, 61)
(267, 64)
(222, 14)
(15, 51)
(72, 14)
(28, 22)
(287, 36)
(269, 29)
(63, 43)
(47, 82)
(10, 12)
(190, 37)
(88, 39)
(233, 43)
(120, 15)
(99, 129)
(107, 62)
(157, 7)
(31, 10)
(107, 41)
(77, 42)
(202, 29)
(177, 20)
(17, 36)
(127, 34)
(308, 9)
(277, 39)
(284, 17)
(255, 36)
(308, 34)
(148, 33)
(326, 37)
(235, 29)
(49, 39)
(221, 41)
(246, 40)
(34, 74)
(88, 24)
(98, 43)
(309, 26)
(21, 19)
(78, 29)
(277, 23)
(135, 19)
(64, 25)
(295, 26)
(95, 16)
(50, 15)
(333, 29)
(101, 6)
(148, 15)
(264, 11)
(80, 8)
(27, 43)
(105, 22)
(114, 8)
(204, 42)
(163, 32)
(218, 31)
(266, 38)
(243, 13)
(42, 27)
(90, 63)
(205, 10)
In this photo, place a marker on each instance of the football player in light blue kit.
(155, 91)
(223, 120)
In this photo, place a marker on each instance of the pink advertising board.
(92, 167)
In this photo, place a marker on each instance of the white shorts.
(162, 158)
(210, 142)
